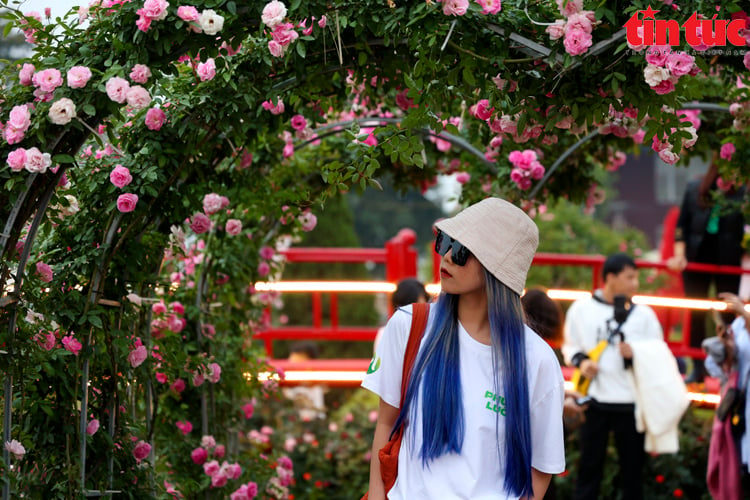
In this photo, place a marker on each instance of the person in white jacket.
(612, 409)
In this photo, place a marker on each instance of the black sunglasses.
(459, 253)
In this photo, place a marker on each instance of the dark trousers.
(594, 437)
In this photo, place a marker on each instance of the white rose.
(210, 22)
(273, 13)
(689, 143)
(654, 75)
(36, 161)
(72, 207)
(62, 111)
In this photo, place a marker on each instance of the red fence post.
(400, 258)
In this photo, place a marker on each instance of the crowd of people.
(463, 424)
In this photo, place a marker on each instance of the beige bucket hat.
(500, 235)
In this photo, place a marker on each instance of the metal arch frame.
(335, 128)
(703, 106)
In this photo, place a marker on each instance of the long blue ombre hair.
(443, 426)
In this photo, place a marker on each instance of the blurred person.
(545, 317)
(483, 406)
(408, 291)
(612, 406)
(707, 232)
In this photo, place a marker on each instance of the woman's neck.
(472, 313)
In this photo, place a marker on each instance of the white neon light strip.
(434, 289)
(358, 376)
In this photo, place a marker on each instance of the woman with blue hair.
(482, 410)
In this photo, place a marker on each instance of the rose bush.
(137, 110)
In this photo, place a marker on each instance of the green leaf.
(63, 158)
(301, 50)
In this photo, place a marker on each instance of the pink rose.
(299, 122)
(481, 110)
(177, 307)
(275, 48)
(78, 77)
(579, 21)
(207, 70)
(17, 159)
(463, 177)
(13, 135)
(233, 227)
(141, 450)
(276, 109)
(727, 150)
(15, 448)
(178, 386)
(117, 89)
(264, 269)
(156, 10)
(219, 479)
(212, 203)
(159, 308)
(323, 21)
(658, 54)
(211, 468)
(143, 23)
(46, 340)
(455, 7)
(570, 7)
(490, 6)
(664, 87)
(308, 220)
(668, 156)
(36, 161)
(576, 42)
(185, 427)
(155, 118)
(187, 13)
(26, 74)
(175, 324)
(208, 442)
(138, 97)
(680, 63)
(140, 72)
(137, 356)
(92, 427)
(71, 344)
(284, 34)
(273, 13)
(161, 377)
(199, 456)
(200, 223)
(127, 202)
(44, 272)
(19, 118)
(233, 471)
(120, 176)
(745, 60)
(214, 373)
(219, 452)
(248, 409)
(47, 80)
(266, 252)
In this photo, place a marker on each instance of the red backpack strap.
(420, 313)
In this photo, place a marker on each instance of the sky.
(59, 7)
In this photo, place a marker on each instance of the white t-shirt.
(476, 473)
(586, 323)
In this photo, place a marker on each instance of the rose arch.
(152, 169)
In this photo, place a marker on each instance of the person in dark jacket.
(709, 231)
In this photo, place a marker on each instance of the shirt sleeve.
(384, 373)
(547, 437)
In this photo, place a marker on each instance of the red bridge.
(400, 261)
